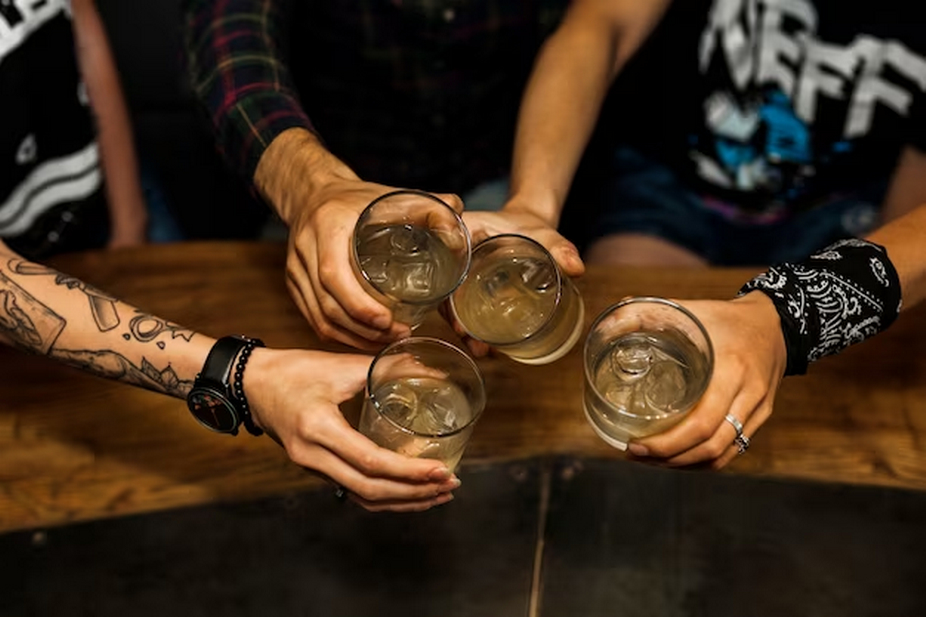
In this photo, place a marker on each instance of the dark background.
(171, 131)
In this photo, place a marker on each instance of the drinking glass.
(410, 250)
(423, 398)
(516, 299)
(647, 362)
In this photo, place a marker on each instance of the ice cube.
(440, 409)
(665, 385)
(417, 278)
(619, 395)
(376, 268)
(398, 403)
(537, 275)
(631, 358)
(410, 240)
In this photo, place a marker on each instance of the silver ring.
(741, 441)
(340, 492)
(736, 424)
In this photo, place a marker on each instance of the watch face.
(212, 410)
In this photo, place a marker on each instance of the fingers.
(402, 506)
(451, 199)
(373, 489)
(342, 297)
(305, 300)
(371, 460)
(477, 348)
(567, 256)
(750, 427)
(720, 442)
(699, 426)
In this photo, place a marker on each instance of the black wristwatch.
(217, 399)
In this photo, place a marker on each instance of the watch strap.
(221, 360)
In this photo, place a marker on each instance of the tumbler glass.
(410, 250)
(647, 363)
(423, 399)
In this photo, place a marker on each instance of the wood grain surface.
(75, 447)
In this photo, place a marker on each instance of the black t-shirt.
(48, 151)
(759, 102)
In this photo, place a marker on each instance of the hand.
(514, 220)
(321, 199)
(294, 396)
(749, 362)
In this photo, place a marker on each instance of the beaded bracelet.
(837, 297)
(238, 386)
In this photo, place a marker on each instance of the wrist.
(294, 169)
(544, 206)
(260, 370)
(768, 322)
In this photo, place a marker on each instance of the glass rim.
(459, 219)
(560, 289)
(640, 300)
(430, 340)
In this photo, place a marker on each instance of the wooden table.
(74, 447)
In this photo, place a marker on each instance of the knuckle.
(329, 305)
(371, 492)
(326, 331)
(702, 430)
(715, 449)
(367, 463)
(327, 269)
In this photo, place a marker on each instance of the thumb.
(453, 200)
(353, 372)
(567, 256)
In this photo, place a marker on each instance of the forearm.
(236, 63)
(296, 157)
(563, 99)
(904, 239)
(52, 314)
(114, 130)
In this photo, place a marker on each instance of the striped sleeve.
(235, 62)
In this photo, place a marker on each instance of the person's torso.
(48, 152)
(794, 101)
(418, 92)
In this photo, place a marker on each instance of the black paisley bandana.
(837, 297)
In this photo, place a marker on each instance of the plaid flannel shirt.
(417, 93)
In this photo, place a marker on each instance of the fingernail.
(445, 498)
(454, 484)
(441, 473)
(638, 449)
(382, 322)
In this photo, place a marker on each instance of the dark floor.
(619, 539)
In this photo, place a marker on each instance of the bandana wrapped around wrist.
(837, 297)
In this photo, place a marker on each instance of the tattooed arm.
(48, 313)
(293, 394)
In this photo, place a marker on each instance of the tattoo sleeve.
(39, 314)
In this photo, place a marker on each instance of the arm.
(907, 189)
(52, 314)
(561, 104)
(573, 73)
(239, 72)
(751, 355)
(120, 165)
(904, 239)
